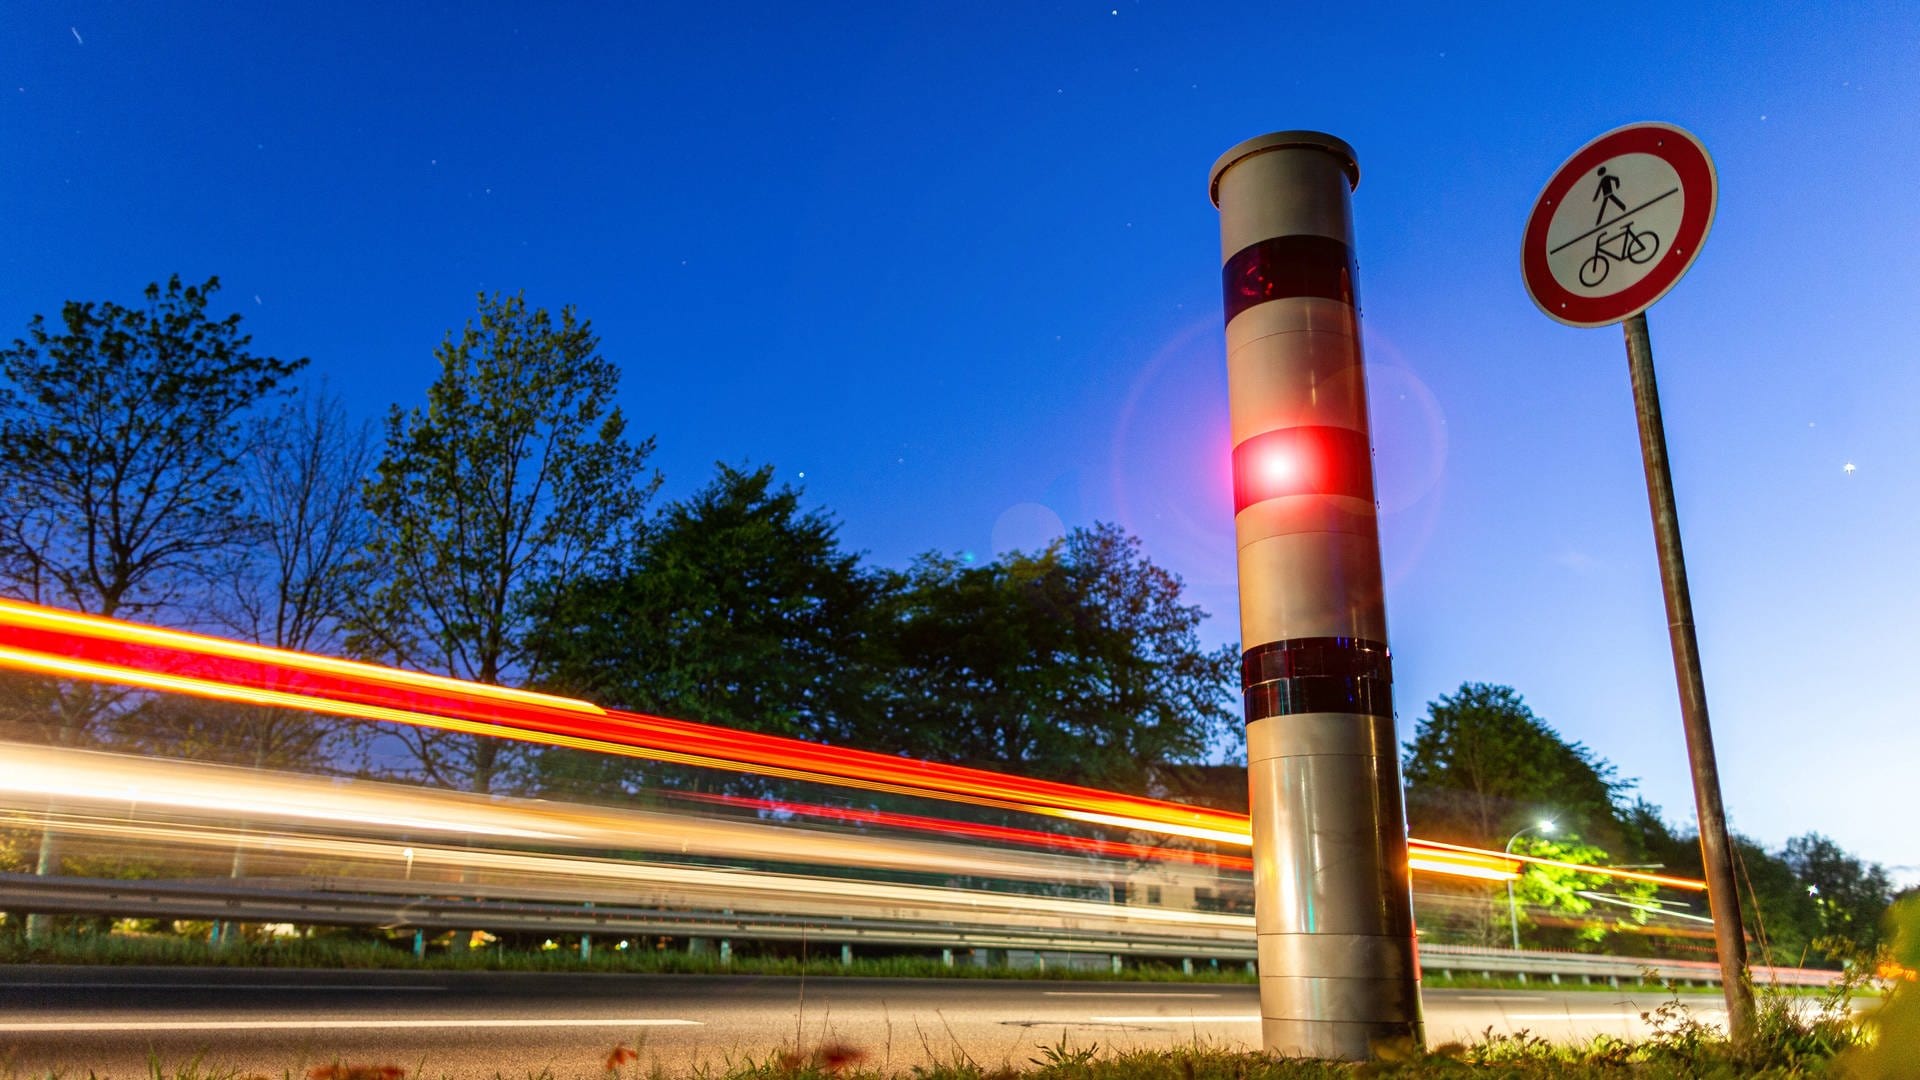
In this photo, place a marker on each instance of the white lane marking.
(1170, 1019)
(308, 1025)
(206, 986)
(1119, 994)
(1499, 997)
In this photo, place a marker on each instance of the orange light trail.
(70, 645)
(1671, 882)
(977, 831)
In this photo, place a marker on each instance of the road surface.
(482, 1024)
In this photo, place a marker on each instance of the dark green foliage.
(515, 476)
(741, 609)
(1849, 897)
(1079, 663)
(1808, 904)
(1482, 766)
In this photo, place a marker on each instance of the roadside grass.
(124, 949)
(1517, 1057)
(165, 950)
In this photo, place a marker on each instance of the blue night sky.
(954, 271)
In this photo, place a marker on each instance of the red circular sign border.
(1689, 159)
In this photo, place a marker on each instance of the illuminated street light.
(1513, 906)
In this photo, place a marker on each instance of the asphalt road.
(113, 1021)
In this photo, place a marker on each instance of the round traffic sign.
(1618, 224)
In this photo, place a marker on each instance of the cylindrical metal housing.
(1332, 901)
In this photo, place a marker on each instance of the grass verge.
(125, 949)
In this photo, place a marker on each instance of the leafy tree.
(1587, 906)
(120, 432)
(1849, 896)
(1481, 766)
(1148, 661)
(1808, 895)
(740, 608)
(1781, 916)
(516, 476)
(1078, 663)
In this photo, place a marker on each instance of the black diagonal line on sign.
(1610, 221)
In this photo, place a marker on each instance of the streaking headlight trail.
(65, 644)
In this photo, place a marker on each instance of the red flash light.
(1306, 460)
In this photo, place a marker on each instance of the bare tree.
(291, 588)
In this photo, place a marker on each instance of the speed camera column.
(1332, 900)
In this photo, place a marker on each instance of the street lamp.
(1513, 906)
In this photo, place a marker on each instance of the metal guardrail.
(314, 903)
(1554, 967)
(396, 905)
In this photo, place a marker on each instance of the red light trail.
(65, 644)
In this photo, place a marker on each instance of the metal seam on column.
(1291, 315)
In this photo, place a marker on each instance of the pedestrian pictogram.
(1604, 194)
(1618, 224)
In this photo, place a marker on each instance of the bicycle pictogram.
(1626, 245)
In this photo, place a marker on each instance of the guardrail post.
(846, 955)
(726, 952)
(419, 944)
(946, 957)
